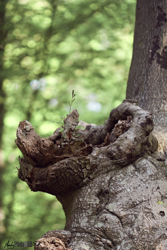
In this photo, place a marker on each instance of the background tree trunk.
(3, 33)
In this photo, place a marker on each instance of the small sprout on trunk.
(72, 100)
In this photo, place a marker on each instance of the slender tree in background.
(111, 179)
(3, 35)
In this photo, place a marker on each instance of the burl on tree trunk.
(109, 179)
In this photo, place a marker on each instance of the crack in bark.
(155, 46)
(115, 214)
(161, 18)
(162, 58)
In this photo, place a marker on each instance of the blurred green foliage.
(51, 48)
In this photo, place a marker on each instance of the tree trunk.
(147, 81)
(110, 179)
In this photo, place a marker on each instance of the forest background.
(47, 49)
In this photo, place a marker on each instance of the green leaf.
(80, 127)
(61, 130)
(160, 202)
(78, 135)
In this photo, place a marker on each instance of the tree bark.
(147, 81)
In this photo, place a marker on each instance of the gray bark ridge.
(112, 189)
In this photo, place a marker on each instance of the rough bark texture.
(108, 178)
(147, 81)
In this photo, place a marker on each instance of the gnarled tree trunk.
(110, 185)
(110, 179)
